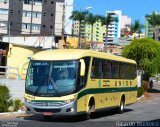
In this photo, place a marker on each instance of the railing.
(9, 71)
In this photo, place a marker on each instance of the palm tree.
(136, 27)
(106, 21)
(91, 19)
(154, 20)
(79, 16)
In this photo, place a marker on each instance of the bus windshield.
(51, 78)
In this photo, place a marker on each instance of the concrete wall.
(16, 87)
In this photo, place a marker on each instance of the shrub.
(5, 100)
(17, 104)
(140, 91)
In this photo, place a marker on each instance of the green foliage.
(136, 27)
(17, 104)
(146, 53)
(5, 101)
(154, 20)
(140, 92)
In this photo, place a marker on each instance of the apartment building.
(34, 17)
(125, 24)
(86, 31)
(114, 28)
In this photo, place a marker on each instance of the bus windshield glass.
(51, 78)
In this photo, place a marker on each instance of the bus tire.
(90, 109)
(121, 107)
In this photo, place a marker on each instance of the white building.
(114, 29)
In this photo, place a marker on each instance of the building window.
(4, 1)
(3, 11)
(52, 2)
(26, 26)
(26, 14)
(36, 26)
(51, 27)
(52, 14)
(44, 25)
(3, 24)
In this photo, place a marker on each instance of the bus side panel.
(132, 97)
(81, 104)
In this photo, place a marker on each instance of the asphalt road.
(144, 113)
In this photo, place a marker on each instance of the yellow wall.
(18, 57)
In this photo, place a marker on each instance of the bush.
(17, 105)
(140, 91)
(5, 100)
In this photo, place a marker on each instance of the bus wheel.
(91, 109)
(88, 113)
(121, 107)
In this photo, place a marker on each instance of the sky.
(136, 9)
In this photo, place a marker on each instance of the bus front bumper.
(67, 109)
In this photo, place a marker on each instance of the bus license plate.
(47, 113)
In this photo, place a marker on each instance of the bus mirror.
(82, 67)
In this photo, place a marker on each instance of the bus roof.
(71, 54)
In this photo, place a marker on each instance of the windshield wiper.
(55, 86)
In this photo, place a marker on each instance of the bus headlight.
(70, 100)
(28, 101)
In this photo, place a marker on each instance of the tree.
(154, 20)
(136, 27)
(146, 53)
(79, 16)
(106, 20)
(5, 100)
(91, 19)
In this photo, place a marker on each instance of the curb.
(140, 97)
(12, 113)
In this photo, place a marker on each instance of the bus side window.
(133, 71)
(106, 68)
(128, 71)
(121, 70)
(115, 70)
(96, 68)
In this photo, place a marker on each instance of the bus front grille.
(47, 110)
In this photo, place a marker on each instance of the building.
(86, 31)
(30, 17)
(148, 30)
(114, 28)
(125, 25)
(15, 59)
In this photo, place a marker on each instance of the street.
(143, 113)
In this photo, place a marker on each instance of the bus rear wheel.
(120, 109)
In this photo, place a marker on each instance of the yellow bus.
(75, 81)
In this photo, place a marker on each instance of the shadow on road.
(153, 91)
(72, 119)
